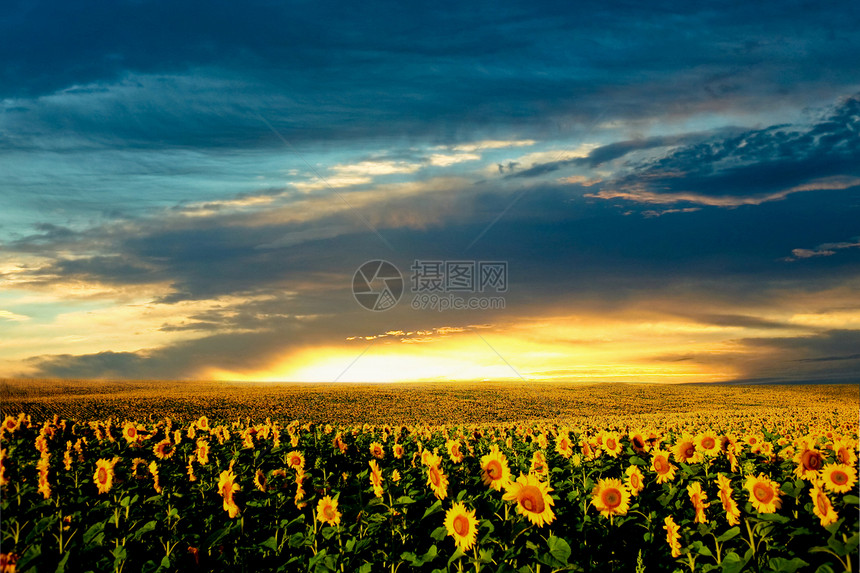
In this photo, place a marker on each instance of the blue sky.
(187, 189)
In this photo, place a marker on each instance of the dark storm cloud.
(830, 356)
(607, 153)
(758, 162)
(181, 73)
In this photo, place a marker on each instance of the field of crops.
(615, 478)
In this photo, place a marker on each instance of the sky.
(671, 191)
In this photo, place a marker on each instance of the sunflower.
(202, 452)
(327, 511)
(203, 424)
(453, 447)
(612, 444)
(673, 536)
(437, 480)
(638, 441)
(729, 505)
(44, 485)
(462, 526)
(809, 462)
(821, 505)
(839, 477)
(589, 449)
(131, 432)
(707, 443)
(685, 450)
(136, 463)
(376, 478)
(395, 476)
(3, 479)
(563, 445)
(397, 450)
(164, 449)
(764, 493)
(494, 469)
(190, 469)
(260, 480)
(611, 497)
(539, 466)
(532, 497)
(338, 442)
(376, 450)
(10, 424)
(103, 478)
(698, 497)
(296, 460)
(635, 480)
(156, 483)
(846, 451)
(660, 464)
(227, 486)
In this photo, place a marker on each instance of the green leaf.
(145, 528)
(403, 500)
(95, 534)
(165, 562)
(485, 555)
(637, 461)
(731, 533)
(852, 499)
(33, 552)
(824, 569)
(732, 563)
(61, 566)
(781, 565)
(436, 507)
(774, 517)
(457, 555)
(270, 543)
(439, 533)
(559, 549)
(366, 568)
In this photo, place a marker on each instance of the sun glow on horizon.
(550, 349)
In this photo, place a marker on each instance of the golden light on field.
(556, 348)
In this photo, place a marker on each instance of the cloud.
(752, 167)
(822, 250)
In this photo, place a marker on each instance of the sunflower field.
(710, 492)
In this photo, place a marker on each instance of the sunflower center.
(762, 492)
(689, 450)
(132, 432)
(839, 477)
(638, 441)
(660, 465)
(823, 503)
(611, 498)
(434, 475)
(634, 481)
(531, 499)
(461, 525)
(103, 476)
(610, 444)
(708, 443)
(494, 469)
(811, 460)
(328, 512)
